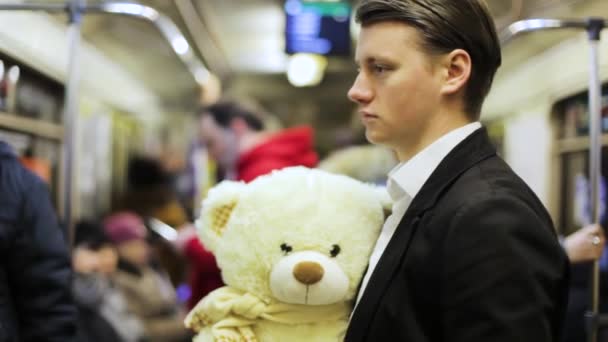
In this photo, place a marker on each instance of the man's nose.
(360, 91)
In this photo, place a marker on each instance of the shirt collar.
(408, 177)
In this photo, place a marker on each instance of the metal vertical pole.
(595, 162)
(70, 114)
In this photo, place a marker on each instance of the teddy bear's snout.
(309, 278)
(308, 272)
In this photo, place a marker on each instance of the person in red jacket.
(204, 275)
(237, 142)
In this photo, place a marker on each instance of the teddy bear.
(293, 246)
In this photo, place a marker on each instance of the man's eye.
(379, 68)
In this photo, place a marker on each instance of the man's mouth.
(368, 116)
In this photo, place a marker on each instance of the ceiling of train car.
(242, 41)
(523, 47)
(140, 49)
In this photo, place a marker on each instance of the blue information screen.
(319, 27)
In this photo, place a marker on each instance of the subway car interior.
(103, 102)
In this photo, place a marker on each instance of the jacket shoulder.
(17, 184)
(14, 176)
(490, 180)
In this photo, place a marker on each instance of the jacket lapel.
(468, 153)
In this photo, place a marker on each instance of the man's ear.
(216, 211)
(457, 71)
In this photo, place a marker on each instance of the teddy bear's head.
(298, 235)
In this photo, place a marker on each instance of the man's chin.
(374, 137)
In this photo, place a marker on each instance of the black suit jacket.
(474, 259)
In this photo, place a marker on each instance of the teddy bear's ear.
(216, 210)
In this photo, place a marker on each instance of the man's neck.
(435, 130)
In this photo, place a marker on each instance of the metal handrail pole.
(595, 163)
(70, 115)
(31, 7)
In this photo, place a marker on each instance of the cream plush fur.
(292, 246)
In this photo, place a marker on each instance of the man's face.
(220, 142)
(136, 252)
(108, 259)
(84, 260)
(102, 260)
(397, 87)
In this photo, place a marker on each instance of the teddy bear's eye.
(335, 250)
(286, 248)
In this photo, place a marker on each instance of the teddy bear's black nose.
(308, 272)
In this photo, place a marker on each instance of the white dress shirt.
(406, 180)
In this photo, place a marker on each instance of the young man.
(469, 252)
(235, 139)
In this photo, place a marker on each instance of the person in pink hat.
(148, 290)
(128, 232)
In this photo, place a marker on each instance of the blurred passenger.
(103, 311)
(367, 163)
(149, 186)
(35, 274)
(149, 292)
(205, 275)
(584, 246)
(171, 260)
(236, 140)
(151, 193)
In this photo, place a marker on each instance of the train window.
(573, 146)
(30, 118)
(574, 115)
(27, 93)
(576, 206)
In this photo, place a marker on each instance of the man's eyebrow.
(367, 60)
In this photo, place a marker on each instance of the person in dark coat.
(469, 253)
(103, 311)
(35, 300)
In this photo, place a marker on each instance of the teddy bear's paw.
(198, 321)
(248, 335)
(242, 337)
(229, 339)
